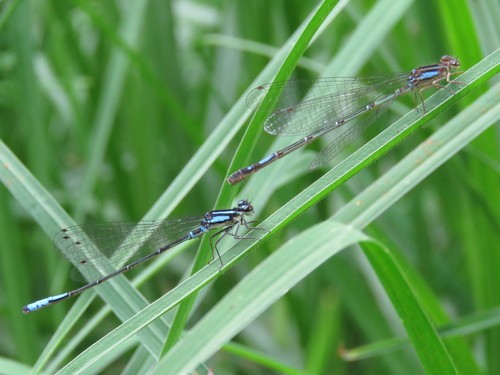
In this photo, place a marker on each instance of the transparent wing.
(307, 106)
(117, 244)
(346, 135)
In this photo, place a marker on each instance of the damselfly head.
(245, 206)
(449, 61)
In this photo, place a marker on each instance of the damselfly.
(314, 108)
(102, 251)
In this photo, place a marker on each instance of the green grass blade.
(296, 46)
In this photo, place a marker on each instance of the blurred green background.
(106, 103)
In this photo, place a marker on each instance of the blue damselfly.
(102, 251)
(316, 107)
